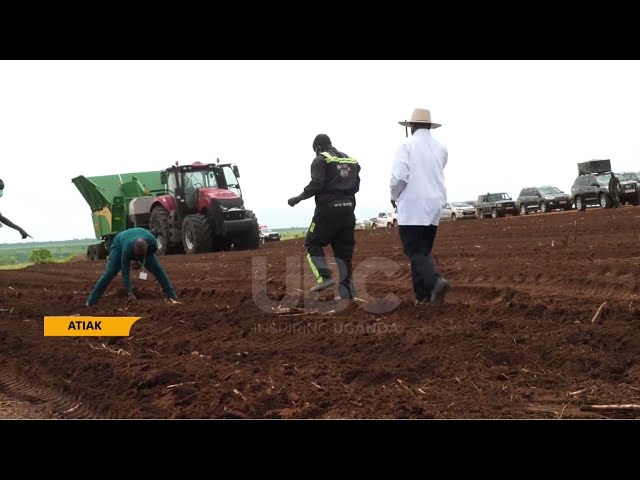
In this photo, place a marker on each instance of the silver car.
(458, 211)
(362, 224)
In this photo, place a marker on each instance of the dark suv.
(593, 189)
(635, 176)
(495, 204)
(544, 199)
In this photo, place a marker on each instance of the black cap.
(321, 140)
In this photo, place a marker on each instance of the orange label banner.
(88, 326)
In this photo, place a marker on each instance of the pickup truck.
(387, 220)
(495, 205)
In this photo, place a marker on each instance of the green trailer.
(108, 197)
(193, 208)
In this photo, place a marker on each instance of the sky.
(506, 125)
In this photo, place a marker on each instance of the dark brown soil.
(514, 340)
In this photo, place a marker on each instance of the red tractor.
(201, 211)
(193, 208)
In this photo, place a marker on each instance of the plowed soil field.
(515, 338)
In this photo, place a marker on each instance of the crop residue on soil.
(514, 340)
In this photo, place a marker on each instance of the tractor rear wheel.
(159, 226)
(197, 234)
(249, 240)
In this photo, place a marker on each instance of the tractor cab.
(197, 186)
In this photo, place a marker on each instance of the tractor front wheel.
(197, 232)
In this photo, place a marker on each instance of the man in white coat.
(417, 188)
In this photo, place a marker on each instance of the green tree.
(8, 260)
(40, 255)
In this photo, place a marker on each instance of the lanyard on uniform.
(142, 275)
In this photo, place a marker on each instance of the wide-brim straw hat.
(420, 115)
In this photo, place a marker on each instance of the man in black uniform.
(614, 190)
(335, 179)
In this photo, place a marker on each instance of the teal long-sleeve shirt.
(122, 246)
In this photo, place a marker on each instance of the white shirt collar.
(422, 132)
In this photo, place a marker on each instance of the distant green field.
(293, 232)
(17, 266)
(16, 255)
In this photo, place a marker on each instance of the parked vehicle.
(268, 235)
(543, 199)
(458, 211)
(635, 176)
(386, 220)
(362, 224)
(378, 223)
(495, 205)
(593, 189)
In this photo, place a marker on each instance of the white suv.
(387, 220)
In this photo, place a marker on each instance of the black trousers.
(417, 242)
(332, 226)
(615, 198)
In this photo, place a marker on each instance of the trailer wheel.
(159, 226)
(101, 252)
(197, 233)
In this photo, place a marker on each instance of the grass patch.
(292, 235)
(17, 266)
(16, 254)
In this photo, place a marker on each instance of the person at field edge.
(4, 220)
(335, 180)
(134, 248)
(418, 191)
(614, 190)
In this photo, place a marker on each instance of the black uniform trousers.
(417, 241)
(333, 225)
